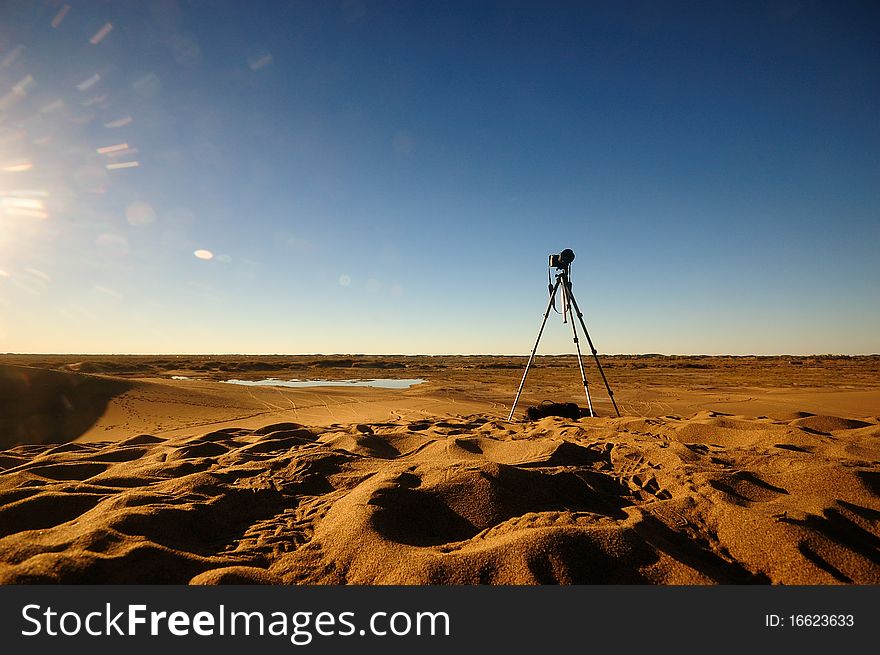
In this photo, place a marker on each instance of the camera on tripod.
(562, 263)
(563, 260)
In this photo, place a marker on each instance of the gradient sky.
(390, 177)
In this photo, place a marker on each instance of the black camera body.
(563, 260)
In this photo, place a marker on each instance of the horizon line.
(364, 354)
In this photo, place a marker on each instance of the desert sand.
(721, 470)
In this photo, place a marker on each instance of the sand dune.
(707, 498)
(723, 470)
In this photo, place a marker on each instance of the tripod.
(568, 302)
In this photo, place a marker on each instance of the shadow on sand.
(43, 406)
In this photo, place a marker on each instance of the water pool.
(384, 383)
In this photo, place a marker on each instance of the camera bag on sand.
(549, 408)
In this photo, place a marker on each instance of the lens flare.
(122, 164)
(119, 122)
(114, 148)
(18, 167)
(101, 34)
(85, 85)
(140, 213)
(56, 22)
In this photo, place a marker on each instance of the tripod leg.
(534, 350)
(592, 347)
(565, 290)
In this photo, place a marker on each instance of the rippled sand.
(422, 494)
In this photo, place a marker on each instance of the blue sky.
(390, 177)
